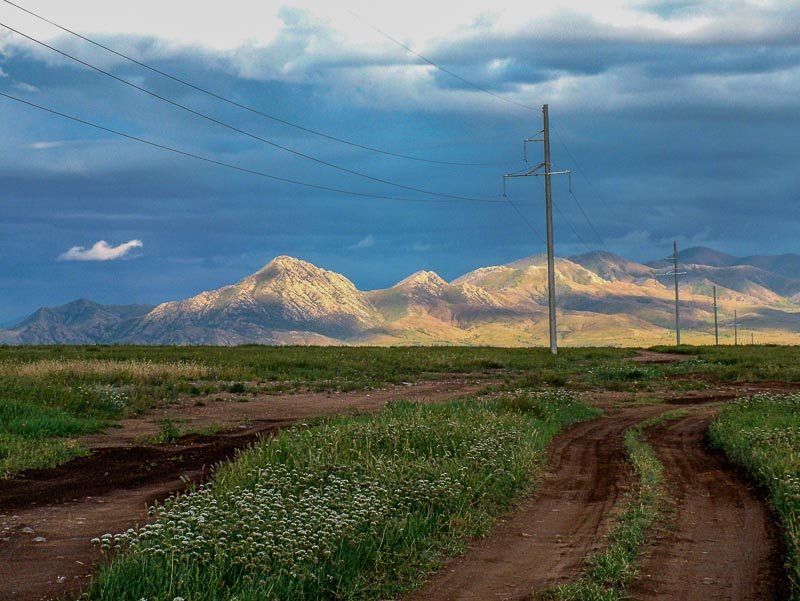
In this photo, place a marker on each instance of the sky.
(679, 120)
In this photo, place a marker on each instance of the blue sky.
(680, 118)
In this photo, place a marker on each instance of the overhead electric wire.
(525, 220)
(241, 105)
(572, 227)
(442, 69)
(482, 89)
(222, 163)
(568, 222)
(589, 221)
(580, 170)
(233, 127)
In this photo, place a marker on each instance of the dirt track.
(48, 517)
(724, 544)
(545, 542)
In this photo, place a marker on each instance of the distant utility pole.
(675, 273)
(716, 323)
(735, 328)
(548, 206)
(752, 338)
(677, 303)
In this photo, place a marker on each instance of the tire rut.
(546, 540)
(723, 544)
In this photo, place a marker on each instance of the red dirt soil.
(48, 517)
(725, 547)
(546, 540)
(724, 544)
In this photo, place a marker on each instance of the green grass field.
(51, 395)
(361, 508)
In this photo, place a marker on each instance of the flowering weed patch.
(762, 434)
(355, 508)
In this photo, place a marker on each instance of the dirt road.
(48, 517)
(723, 544)
(546, 541)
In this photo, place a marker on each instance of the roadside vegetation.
(50, 396)
(762, 434)
(743, 363)
(612, 570)
(353, 508)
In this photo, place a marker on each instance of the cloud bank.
(100, 251)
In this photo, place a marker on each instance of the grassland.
(50, 396)
(741, 363)
(358, 508)
(762, 434)
(354, 508)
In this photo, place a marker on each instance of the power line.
(442, 69)
(583, 172)
(525, 220)
(482, 89)
(220, 163)
(569, 223)
(572, 227)
(241, 105)
(233, 127)
(589, 221)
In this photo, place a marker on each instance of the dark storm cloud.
(689, 137)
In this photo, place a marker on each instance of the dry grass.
(134, 370)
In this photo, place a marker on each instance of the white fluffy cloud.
(367, 242)
(100, 251)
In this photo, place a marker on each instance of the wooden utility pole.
(716, 323)
(677, 304)
(735, 328)
(548, 207)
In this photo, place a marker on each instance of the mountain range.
(602, 298)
